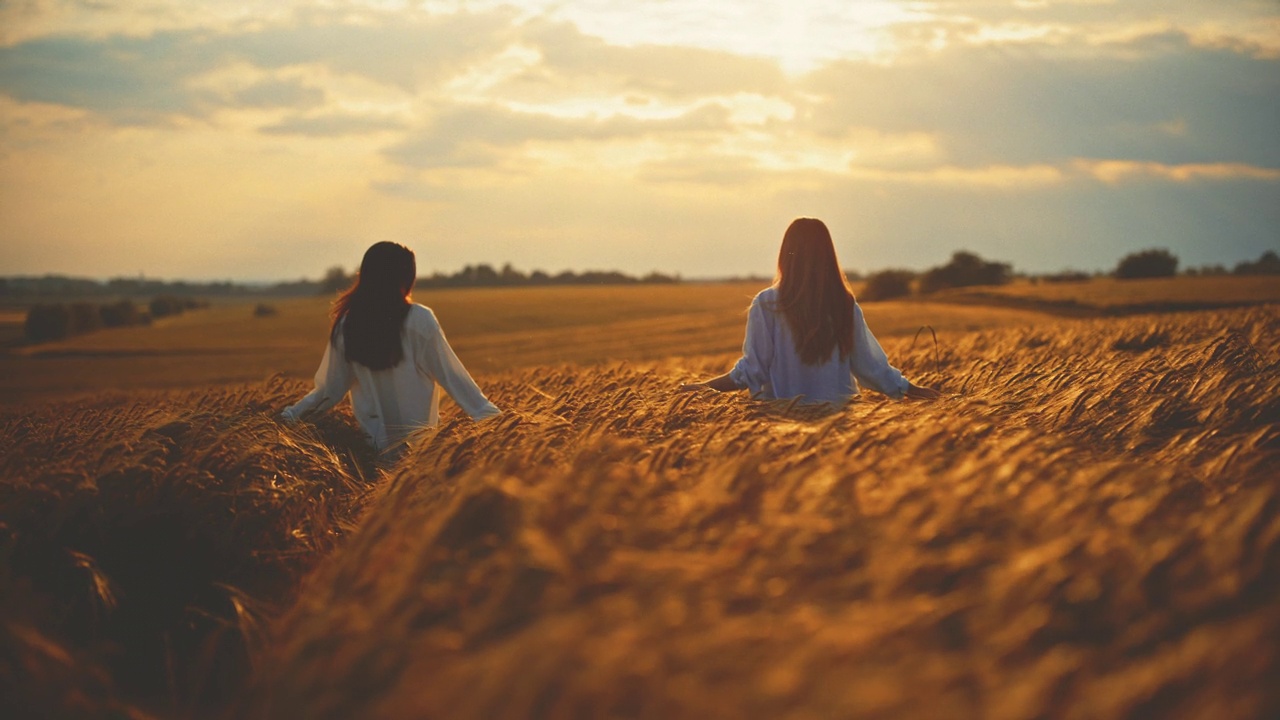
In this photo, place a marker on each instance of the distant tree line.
(966, 269)
(1162, 263)
(62, 288)
(1147, 264)
(483, 275)
(55, 321)
(1267, 264)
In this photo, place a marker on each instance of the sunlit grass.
(1086, 525)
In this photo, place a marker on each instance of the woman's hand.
(917, 392)
(723, 383)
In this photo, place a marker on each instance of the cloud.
(1114, 172)
(279, 93)
(472, 135)
(416, 191)
(332, 125)
(1089, 14)
(404, 50)
(1161, 100)
(150, 79)
(721, 170)
(953, 113)
(128, 80)
(1034, 131)
(571, 59)
(991, 177)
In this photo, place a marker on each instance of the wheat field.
(490, 328)
(1087, 525)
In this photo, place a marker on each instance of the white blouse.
(771, 367)
(390, 404)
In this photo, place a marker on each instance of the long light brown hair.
(813, 294)
(370, 314)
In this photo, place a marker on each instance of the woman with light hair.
(806, 336)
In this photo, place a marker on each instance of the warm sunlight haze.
(229, 140)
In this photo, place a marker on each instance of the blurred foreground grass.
(1087, 526)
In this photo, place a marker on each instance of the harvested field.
(1110, 296)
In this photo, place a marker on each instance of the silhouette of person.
(806, 336)
(391, 354)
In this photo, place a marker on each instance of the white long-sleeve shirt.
(390, 404)
(771, 367)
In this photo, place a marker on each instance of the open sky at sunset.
(271, 140)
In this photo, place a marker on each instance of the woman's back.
(771, 366)
(390, 353)
(806, 336)
(392, 403)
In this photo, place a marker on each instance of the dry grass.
(1087, 526)
(144, 540)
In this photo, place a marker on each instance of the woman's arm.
(437, 360)
(333, 379)
(723, 383)
(751, 370)
(919, 392)
(870, 365)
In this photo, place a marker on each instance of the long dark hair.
(813, 294)
(370, 314)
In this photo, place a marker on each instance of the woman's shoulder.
(421, 317)
(767, 295)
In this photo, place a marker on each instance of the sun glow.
(523, 130)
(800, 36)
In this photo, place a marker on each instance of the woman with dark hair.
(806, 336)
(390, 353)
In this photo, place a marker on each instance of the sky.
(273, 140)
